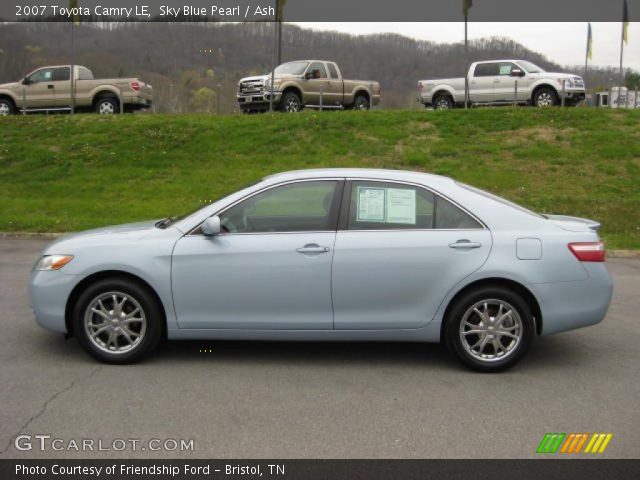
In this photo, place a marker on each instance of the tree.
(632, 80)
(203, 100)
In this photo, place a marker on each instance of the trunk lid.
(574, 224)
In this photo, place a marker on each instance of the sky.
(560, 42)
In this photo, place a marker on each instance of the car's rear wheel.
(107, 106)
(443, 102)
(489, 329)
(118, 321)
(361, 103)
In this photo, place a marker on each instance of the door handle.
(312, 248)
(464, 244)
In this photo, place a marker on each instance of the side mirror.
(211, 226)
(25, 81)
(516, 72)
(308, 75)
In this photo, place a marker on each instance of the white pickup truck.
(501, 82)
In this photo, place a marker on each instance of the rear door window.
(487, 70)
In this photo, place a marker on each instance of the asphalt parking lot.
(263, 400)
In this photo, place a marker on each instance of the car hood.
(112, 233)
(9, 86)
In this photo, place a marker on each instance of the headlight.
(53, 262)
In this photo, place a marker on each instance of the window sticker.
(371, 204)
(401, 205)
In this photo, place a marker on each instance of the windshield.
(291, 68)
(530, 67)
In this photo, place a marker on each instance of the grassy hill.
(62, 173)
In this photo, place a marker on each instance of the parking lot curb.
(52, 236)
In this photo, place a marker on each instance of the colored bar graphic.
(550, 443)
(573, 443)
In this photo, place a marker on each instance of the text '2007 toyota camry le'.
(334, 254)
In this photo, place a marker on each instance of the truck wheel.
(545, 97)
(6, 107)
(361, 103)
(443, 102)
(291, 102)
(107, 106)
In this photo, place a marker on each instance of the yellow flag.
(625, 23)
(281, 4)
(76, 17)
(466, 5)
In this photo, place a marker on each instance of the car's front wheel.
(118, 321)
(291, 103)
(489, 329)
(546, 97)
(6, 107)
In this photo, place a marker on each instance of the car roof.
(374, 173)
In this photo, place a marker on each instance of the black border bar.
(569, 468)
(339, 10)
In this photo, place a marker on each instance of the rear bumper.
(571, 305)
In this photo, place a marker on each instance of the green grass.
(63, 173)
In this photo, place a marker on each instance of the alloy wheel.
(115, 322)
(292, 105)
(4, 110)
(545, 99)
(491, 330)
(106, 108)
(442, 104)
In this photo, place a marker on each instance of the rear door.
(482, 82)
(399, 249)
(335, 91)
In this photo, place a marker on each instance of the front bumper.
(257, 100)
(48, 294)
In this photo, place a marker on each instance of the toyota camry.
(330, 255)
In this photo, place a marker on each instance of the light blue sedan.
(335, 255)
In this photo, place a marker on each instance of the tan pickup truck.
(306, 83)
(49, 89)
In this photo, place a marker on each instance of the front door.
(269, 269)
(48, 88)
(402, 249)
(317, 81)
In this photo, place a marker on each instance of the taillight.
(135, 86)
(588, 251)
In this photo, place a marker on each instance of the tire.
(291, 103)
(6, 107)
(361, 103)
(546, 97)
(491, 351)
(443, 102)
(107, 106)
(108, 340)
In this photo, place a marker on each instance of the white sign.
(401, 205)
(371, 204)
